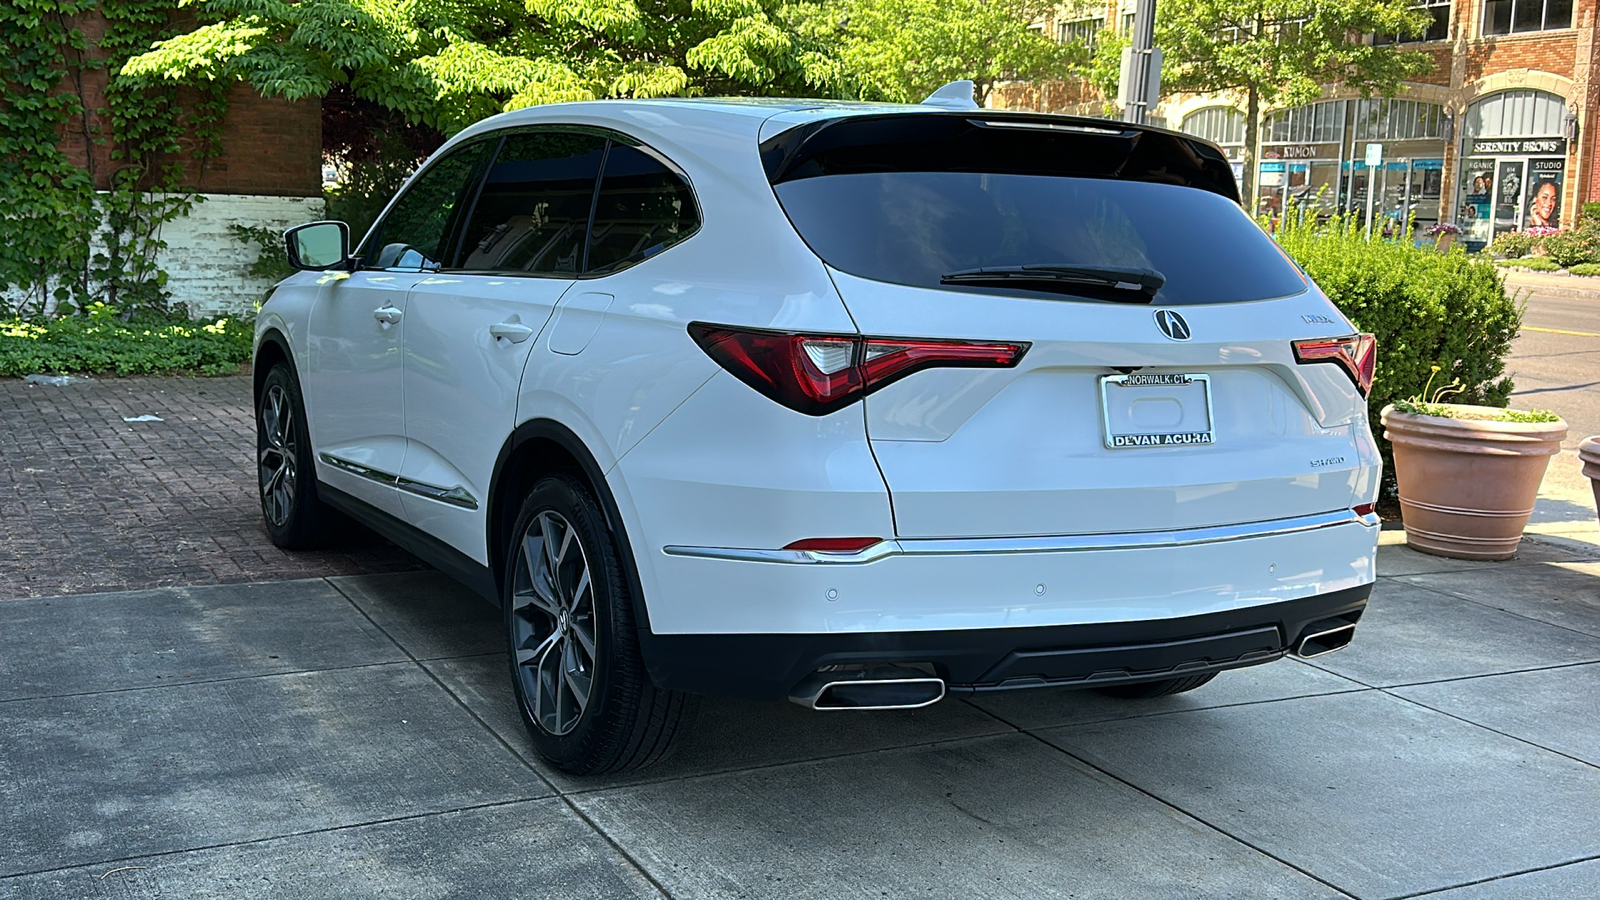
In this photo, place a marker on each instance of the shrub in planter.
(1426, 309)
(1585, 269)
(1468, 475)
(1511, 245)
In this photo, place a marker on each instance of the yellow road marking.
(1559, 331)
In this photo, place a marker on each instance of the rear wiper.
(1120, 278)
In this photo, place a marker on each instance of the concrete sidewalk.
(1565, 512)
(1553, 284)
(354, 737)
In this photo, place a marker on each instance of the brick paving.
(89, 502)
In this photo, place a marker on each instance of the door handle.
(388, 315)
(511, 331)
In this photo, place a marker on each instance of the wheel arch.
(541, 447)
(271, 349)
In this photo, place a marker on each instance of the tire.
(579, 678)
(1145, 690)
(286, 474)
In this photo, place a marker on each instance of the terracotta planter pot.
(1467, 487)
(1589, 453)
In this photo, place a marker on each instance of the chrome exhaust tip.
(866, 689)
(1322, 638)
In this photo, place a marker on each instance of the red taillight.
(1364, 509)
(1357, 355)
(834, 545)
(819, 373)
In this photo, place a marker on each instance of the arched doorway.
(1513, 165)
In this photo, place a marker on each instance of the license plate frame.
(1177, 386)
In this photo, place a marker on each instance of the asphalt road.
(1556, 361)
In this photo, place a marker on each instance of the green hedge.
(1426, 308)
(1573, 246)
(1532, 263)
(103, 344)
(1585, 269)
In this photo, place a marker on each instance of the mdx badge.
(1172, 325)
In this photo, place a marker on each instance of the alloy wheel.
(553, 623)
(277, 458)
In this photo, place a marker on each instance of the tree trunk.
(1252, 147)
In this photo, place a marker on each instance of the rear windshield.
(935, 209)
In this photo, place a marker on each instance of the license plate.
(1156, 410)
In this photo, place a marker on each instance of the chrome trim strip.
(455, 496)
(873, 553)
(1048, 544)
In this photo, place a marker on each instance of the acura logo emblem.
(1172, 325)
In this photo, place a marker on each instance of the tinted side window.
(413, 234)
(534, 208)
(644, 207)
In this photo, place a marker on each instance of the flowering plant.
(1539, 230)
(1439, 228)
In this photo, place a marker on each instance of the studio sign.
(1520, 146)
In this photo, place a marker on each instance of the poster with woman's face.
(1477, 185)
(1544, 193)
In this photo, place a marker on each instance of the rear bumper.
(1006, 583)
(768, 666)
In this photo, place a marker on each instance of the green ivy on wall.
(64, 245)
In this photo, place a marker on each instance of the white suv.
(856, 405)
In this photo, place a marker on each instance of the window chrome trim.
(455, 495)
(1186, 537)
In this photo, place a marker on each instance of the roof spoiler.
(955, 95)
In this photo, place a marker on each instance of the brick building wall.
(269, 146)
(268, 174)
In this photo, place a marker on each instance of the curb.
(1553, 286)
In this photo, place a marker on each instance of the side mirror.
(318, 246)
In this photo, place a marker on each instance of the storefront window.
(1315, 157)
(1513, 165)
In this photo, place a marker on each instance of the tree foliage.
(448, 63)
(903, 50)
(1276, 53)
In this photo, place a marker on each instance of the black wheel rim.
(280, 442)
(552, 621)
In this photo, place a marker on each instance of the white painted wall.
(207, 267)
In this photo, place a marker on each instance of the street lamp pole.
(1138, 74)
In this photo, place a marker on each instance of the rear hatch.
(1160, 388)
